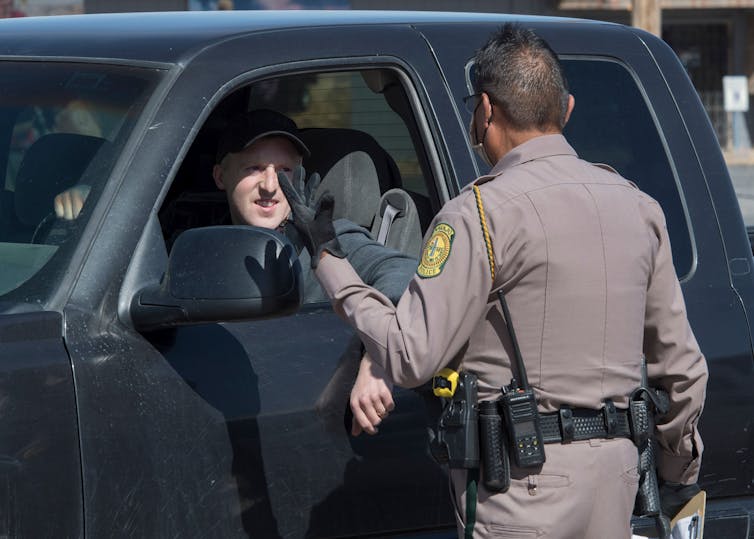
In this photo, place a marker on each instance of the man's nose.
(270, 180)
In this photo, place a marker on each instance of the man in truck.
(251, 151)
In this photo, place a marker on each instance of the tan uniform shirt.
(585, 263)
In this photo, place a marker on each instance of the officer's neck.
(505, 138)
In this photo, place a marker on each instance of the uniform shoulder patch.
(436, 251)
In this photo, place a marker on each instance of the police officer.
(584, 260)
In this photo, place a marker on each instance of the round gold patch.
(436, 251)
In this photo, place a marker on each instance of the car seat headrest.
(330, 145)
(354, 184)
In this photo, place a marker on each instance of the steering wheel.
(53, 230)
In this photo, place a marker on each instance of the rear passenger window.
(612, 124)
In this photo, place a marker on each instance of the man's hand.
(68, 204)
(312, 219)
(371, 397)
(673, 496)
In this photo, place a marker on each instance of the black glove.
(305, 189)
(673, 496)
(313, 219)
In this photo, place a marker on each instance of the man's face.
(250, 180)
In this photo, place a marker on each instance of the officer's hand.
(68, 204)
(312, 219)
(371, 397)
(673, 496)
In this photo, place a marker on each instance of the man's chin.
(265, 221)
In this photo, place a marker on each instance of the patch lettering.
(436, 251)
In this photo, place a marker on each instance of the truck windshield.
(62, 128)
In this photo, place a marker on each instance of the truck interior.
(364, 142)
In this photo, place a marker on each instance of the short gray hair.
(521, 73)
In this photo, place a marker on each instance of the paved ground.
(743, 182)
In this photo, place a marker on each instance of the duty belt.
(573, 424)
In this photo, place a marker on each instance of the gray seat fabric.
(328, 145)
(364, 180)
(396, 224)
(354, 183)
(353, 167)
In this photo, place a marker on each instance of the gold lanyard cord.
(485, 231)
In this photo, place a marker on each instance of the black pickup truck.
(158, 375)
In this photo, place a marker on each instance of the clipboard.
(689, 522)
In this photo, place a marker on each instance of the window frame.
(435, 158)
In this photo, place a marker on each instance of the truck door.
(39, 461)
(242, 429)
(638, 112)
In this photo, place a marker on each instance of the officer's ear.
(569, 108)
(486, 105)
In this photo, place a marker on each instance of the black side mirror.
(222, 273)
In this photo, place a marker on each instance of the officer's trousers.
(584, 490)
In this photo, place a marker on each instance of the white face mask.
(477, 145)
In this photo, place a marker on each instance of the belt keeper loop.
(610, 416)
(567, 428)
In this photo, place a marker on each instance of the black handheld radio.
(519, 408)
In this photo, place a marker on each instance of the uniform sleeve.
(387, 270)
(435, 316)
(674, 360)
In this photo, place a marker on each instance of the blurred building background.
(713, 38)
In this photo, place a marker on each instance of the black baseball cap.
(244, 130)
